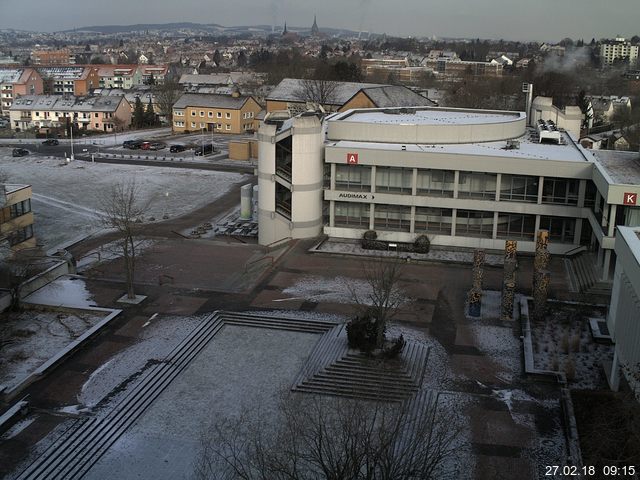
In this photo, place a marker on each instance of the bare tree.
(123, 211)
(383, 296)
(321, 92)
(334, 439)
(167, 94)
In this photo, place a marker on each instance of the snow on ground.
(161, 335)
(337, 289)
(66, 290)
(66, 200)
(353, 247)
(18, 427)
(500, 344)
(35, 337)
(563, 342)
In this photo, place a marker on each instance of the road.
(117, 155)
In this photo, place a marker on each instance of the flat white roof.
(529, 149)
(430, 116)
(622, 167)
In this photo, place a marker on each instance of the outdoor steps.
(72, 455)
(82, 445)
(421, 405)
(585, 276)
(277, 323)
(333, 369)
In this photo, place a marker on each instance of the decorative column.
(541, 275)
(509, 280)
(475, 294)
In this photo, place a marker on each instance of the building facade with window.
(464, 178)
(232, 114)
(16, 217)
(48, 112)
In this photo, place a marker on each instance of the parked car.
(20, 152)
(157, 146)
(132, 144)
(4, 123)
(177, 148)
(204, 150)
(145, 146)
(51, 141)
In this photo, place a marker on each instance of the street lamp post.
(72, 156)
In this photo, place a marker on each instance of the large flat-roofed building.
(464, 178)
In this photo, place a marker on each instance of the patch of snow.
(18, 427)
(500, 344)
(65, 290)
(73, 409)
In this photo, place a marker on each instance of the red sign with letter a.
(352, 158)
(630, 198)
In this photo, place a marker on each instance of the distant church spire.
(314, 27)
(284, 32)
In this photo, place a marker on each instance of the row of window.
(216, 126)
(20, 236)
(438, 221)
(441, 183)
(210, 114)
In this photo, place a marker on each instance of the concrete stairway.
(333, 369)
(82, 445)
(584, 276)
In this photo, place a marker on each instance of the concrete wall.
(624, 311)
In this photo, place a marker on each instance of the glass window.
(21, 235)
(351, 215)
(393, 179)
(227, 115)
(202, 113)
(353, 177)
(20, 208)
(561, 229)
(193, 113)
(227, 127)
(560, 191)
(477, 185)
(392, 217)
(433, 220)
(219, 115)
(437, 183)
(519, 188)
(516, 226)
(210, 114)
(473, 223)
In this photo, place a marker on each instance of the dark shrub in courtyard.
(422, 244)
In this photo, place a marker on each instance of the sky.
(541, 20)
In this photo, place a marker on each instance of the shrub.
(370, 235)
(422, 244)
(361, 333)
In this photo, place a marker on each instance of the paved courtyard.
(514, 423)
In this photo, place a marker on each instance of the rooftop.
(210, 101)
(10, 75)
(622, 167)
(529, 148)
(426, 116)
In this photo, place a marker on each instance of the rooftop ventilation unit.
(547, 131)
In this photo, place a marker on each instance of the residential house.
(65, 80)
(233, 114)
(295, 94)
(48, 112)
(15, 82)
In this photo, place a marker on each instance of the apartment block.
(619, 49)
(232, 114)
(15, 82)
(67, 80)
(45, 112)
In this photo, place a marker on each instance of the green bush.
(361, 333)
(422, 244)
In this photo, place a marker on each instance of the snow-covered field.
(66, 198)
